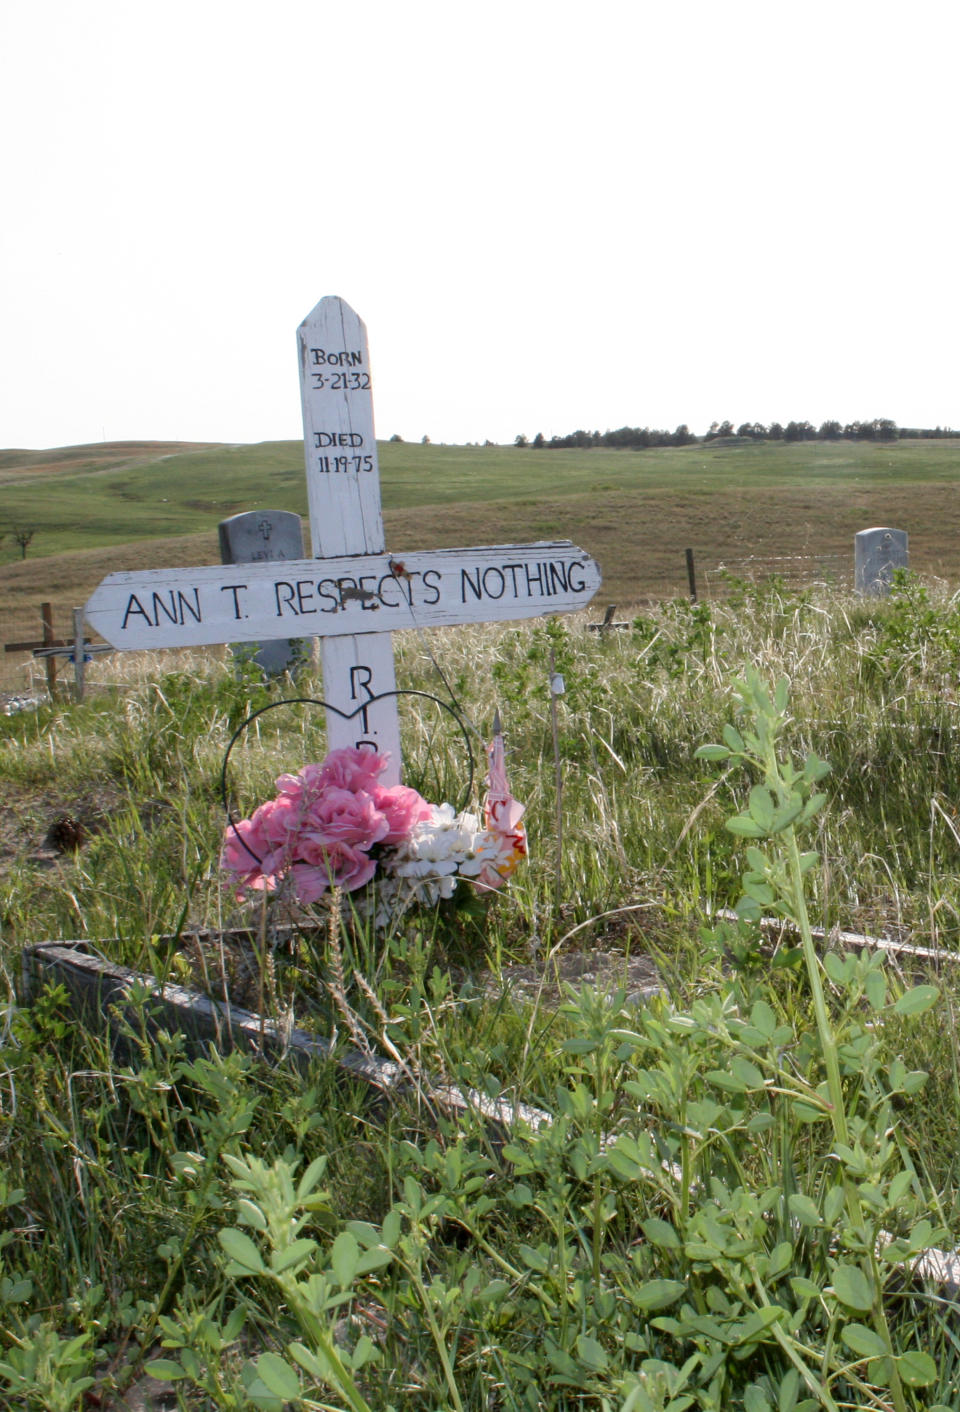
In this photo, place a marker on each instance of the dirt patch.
(41, 829)
(547, 983)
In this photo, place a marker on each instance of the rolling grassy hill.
(130, 505)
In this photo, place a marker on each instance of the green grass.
(155, 492)
(700, 1218)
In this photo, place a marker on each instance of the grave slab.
(102, 996)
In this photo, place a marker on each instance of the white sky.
(550, 215)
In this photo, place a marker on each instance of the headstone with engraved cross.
(256, 537)
(877, 554)
(352, 594)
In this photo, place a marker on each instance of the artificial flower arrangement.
(333, 825)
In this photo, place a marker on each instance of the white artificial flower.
(442, 848)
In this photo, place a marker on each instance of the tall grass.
(673, 1239)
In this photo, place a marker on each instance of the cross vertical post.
(79, 647)
(343, 496)
(46, 617)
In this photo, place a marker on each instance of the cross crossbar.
(33, 646)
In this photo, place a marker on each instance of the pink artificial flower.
(341, 866)
(278, 822)
(293, 784)
(352, 767)
(309, 883)
(348, 768)
(321, 826)
(271, 835)
(235, 858)
(339, 815)
(403, 808)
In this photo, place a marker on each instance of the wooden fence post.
(691, 576)
(50, 663)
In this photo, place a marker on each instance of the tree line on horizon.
(639, 438)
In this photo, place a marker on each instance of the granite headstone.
(876, 554)
(258, 536)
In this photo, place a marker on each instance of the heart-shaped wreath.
(333, 825)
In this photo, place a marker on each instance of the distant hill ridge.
(105, 453)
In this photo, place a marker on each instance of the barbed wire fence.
(792, 571)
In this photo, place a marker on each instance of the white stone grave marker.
(352, 594)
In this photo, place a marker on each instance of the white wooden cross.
(352, 594)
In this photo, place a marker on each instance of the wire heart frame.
(346, 716)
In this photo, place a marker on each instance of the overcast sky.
(549, 215)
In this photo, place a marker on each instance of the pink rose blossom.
(278, 822)
(235, 858)
(353, 768)
(338, 815)
(349, 768)
(342, 866)
(293, 784)
(404, 808)
(309, 883)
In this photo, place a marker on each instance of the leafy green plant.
(312, 1289)
(47, 1372)
(869, 1181)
